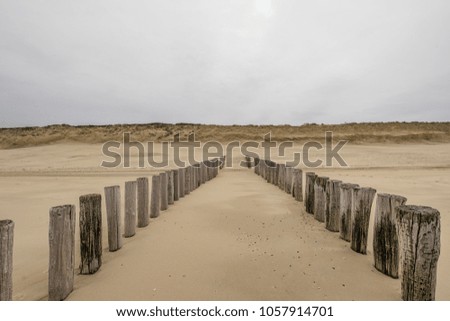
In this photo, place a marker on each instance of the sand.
(234, 238)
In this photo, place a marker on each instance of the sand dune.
(394, 132)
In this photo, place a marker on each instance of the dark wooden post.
(61, 236)
(176, 184)
(288, 179)
(170, 188)
(256, 169)
(6, 259)
(345, 211)
(309, 192)
(363, 199)
(282, 179)
(156, 196)
(333, 205)
(112, 200)
(385, 237)
(297, 190)
(164, 198)
(130, 208)
(90, 233)
(142, 201)
(187, 181)
(182, 179)
(419, 233)
(248, 162)
(320, 198)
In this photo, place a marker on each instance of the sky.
(223, 62)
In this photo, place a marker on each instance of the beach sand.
(234, 238)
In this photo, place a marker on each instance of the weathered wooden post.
(130, 209)
(309, 192)
(112, 200)
(6, 259)
(170, 188)
(333, 205)
(90, 233)
(296, 188)
(182, 179)
(176, 184)
(269, 171)
(320, 198)
(263, 168)
(419, 233)
(61, 236)
(155, 205)
(282, 176)
(187, 180)
(200, 174)
(142, 202)
(164, 196)
(288, 179)
(345, 211)
(362, 205)
(385, 237)
(256, 169)
(248, 162)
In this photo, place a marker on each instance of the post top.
(6, 223)
(425, 212)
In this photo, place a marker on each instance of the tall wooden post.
(61, 236)
(309, 192)
(333, 205)
(256, 169)
(346, 210)
(164, 198)
(288, 180)
(6, 259)
(182, 179)
(156, 196)
(90, 233)
(385, 236)
(176, 184)
(112, 200)
(170, 188)
(320, 198)
(419, 233)
(130, 208)
(142, 202)
(296, 188)
(187, 180)
(362, 205)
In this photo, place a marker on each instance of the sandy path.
(236, 238)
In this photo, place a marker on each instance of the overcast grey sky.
(225, 62)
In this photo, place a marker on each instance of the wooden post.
(156, 196)
(90, 233)
(282, 176)
(419, 233)
(182, 184)
(269, 171)
(61, 237)
(248, 162)
(297, 190)
(142, 202)
(6, 259)
(362, 205)
(170, 188)
(130, 208)
(345, 211)
(164, 198)
(256, 169)
(385, 237)
(176, 184)
(309, 192)
(112, 200)
(288, 180)
(187, 181)
(333, 205)
(320, 198)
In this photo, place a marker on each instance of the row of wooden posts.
(406, 238)
(167, 187)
